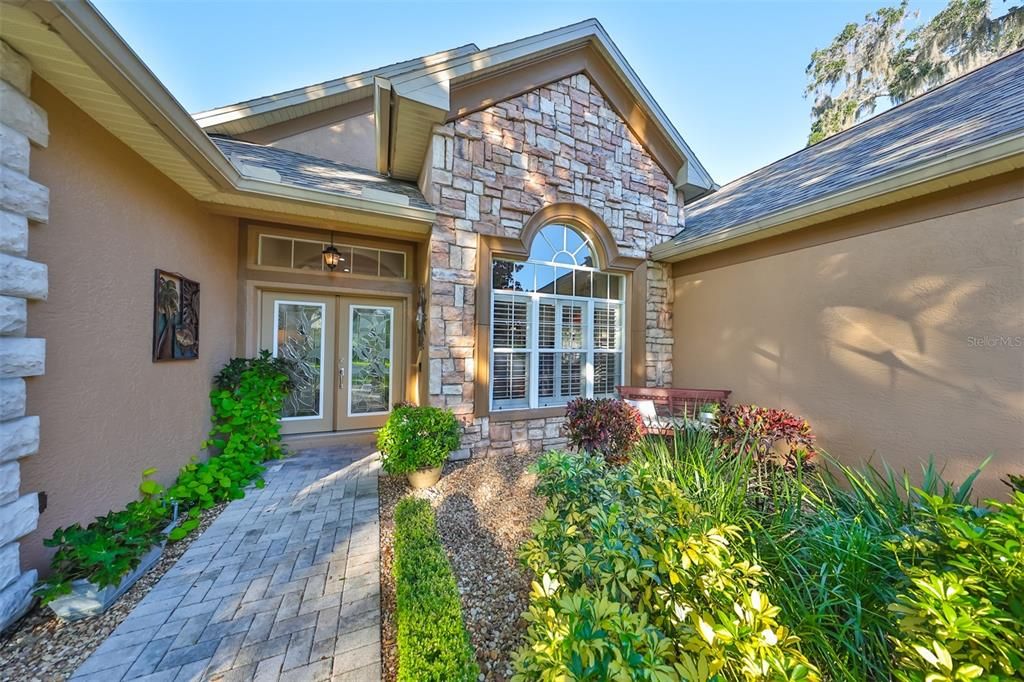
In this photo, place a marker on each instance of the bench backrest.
(677, 402)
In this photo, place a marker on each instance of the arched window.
(557, 324)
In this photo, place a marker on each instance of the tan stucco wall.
(107, 411)
(878, 339)
(349, 141)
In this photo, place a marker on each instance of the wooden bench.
(673, 404)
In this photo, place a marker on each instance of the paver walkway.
(284, 585)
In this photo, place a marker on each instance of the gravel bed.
(484, 509)
(41, 647)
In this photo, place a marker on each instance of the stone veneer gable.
(488, 173)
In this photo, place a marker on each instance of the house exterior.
(510, 228)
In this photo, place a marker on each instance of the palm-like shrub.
(961, 607)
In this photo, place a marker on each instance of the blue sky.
(730, 75)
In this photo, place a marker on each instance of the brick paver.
(284, 585)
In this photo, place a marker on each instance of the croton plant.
(763, 429)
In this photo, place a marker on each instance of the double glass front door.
(346, 353)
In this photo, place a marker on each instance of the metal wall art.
(175, 318)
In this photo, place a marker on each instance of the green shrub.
(839, 551)
(247, 405)
(636, 582)
(961, 608)
(417, 438)
(433, 645)
(108, 548)
(603, 426)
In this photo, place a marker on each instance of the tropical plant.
(763, 430)
(961, 606)
(827, 538)
(246, 404)
(417, 437)
(247, 399)
(108, 548)
(636, 582)
(880, 61)
(433, 644)
(603, 426)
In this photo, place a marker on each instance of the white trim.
(391, 358)
(323, 325)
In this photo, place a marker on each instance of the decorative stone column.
(22, 201)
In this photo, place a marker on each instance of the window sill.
(527, 413)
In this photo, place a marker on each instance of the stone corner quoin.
(23, 202)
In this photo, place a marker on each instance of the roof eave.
(84, 30)
(965, 165)
(430, 87)
(324, 198)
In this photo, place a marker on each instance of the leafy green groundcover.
(246, 402)
(433, 644)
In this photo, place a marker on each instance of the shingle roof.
(310, 172)
(978, 107)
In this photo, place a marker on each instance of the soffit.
(56, 62)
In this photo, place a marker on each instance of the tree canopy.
(881, 61)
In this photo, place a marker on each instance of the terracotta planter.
(424, 478)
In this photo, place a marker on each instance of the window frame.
(533, 351)
(256, 255)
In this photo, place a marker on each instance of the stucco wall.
(902, 342)
(107, 410)
(348, 141)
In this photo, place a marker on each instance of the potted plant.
(416, 441)
(708, 413)
(95, 565)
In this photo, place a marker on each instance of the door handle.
(341, 376)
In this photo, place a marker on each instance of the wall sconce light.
(332, 257)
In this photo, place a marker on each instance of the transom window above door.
(307, 254)
(557, 324)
